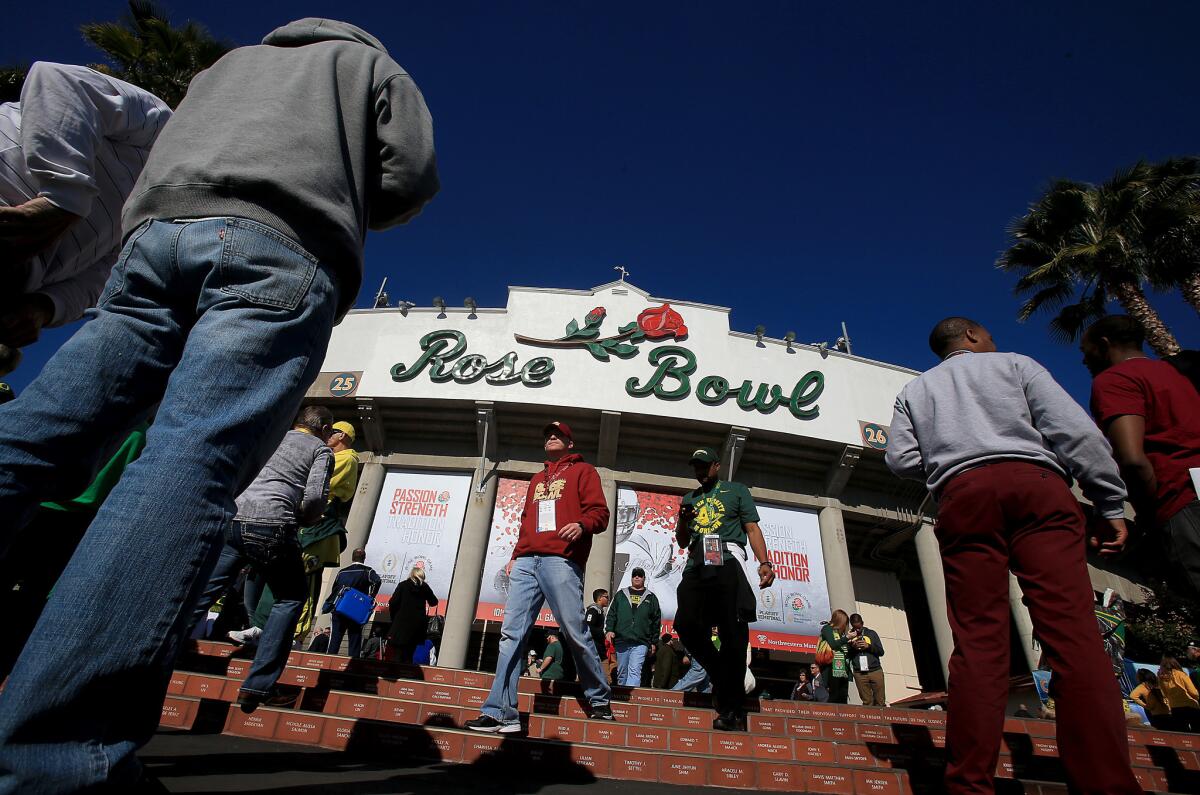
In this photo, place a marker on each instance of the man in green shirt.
(716, 521)
(552, 659)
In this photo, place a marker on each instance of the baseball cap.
(345, 428)
(560, 428)
(6, 393)
(638, 571)
(705, 454)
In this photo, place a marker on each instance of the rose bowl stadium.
(450, 404)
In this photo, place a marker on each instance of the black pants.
(1181, 542)
(715, 597)
(353, 631)
(839, 689)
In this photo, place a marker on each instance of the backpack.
(824, 655)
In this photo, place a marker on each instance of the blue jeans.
(252, 591)
(631, 660)
(353, 633)
(537, 579)
(224, 323)
(274, 552)
(696, 679)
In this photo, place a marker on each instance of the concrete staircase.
(407, 712)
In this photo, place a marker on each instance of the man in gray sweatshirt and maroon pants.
(997, 441)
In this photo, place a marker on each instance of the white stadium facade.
(450, 404)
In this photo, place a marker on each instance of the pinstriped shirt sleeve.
(68, 113)
(79, 139)
(73, 295)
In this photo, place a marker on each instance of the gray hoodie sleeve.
(408, 176)
(1074, 438)
(903, 455)
(316, 490)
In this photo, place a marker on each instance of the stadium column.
(599, 570)
(463, 598)
(1021, 617)
(837, 567)
(837, 559)
(929, 557)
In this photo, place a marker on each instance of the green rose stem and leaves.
(623, 345)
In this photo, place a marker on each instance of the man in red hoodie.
(564, 508)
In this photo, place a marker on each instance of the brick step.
(602, 759)
(446, 697)
(356, 703)
(866, 746)
(363, 676)
(833, 721)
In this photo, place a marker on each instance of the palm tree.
(151, 53)
(1086, 241)
(1171, 228)
(12, 77)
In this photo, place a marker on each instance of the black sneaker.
(730, 723)
(602, 712)
(486, 723)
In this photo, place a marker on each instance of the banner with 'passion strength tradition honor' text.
(418, 523)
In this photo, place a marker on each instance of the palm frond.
(1046, 298)
(1069, 323)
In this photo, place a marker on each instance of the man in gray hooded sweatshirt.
(243, 246)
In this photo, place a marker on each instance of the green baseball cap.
(706, 455)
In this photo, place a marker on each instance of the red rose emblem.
(595, 316)
(662, 322)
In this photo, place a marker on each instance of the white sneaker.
(245, 637)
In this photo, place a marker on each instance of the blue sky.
(801, 163)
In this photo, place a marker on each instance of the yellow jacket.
(344, 480)
(1178, 690)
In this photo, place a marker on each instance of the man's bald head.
(959, 333)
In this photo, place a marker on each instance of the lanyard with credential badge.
(548, 506)
(714, 554)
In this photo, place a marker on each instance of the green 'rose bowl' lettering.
(469, 369)
(765, 399)
(536, 372)
(712, 390)
(805, 394)
(672, 367)
(504, 372)
(434, 345)
(442, 349)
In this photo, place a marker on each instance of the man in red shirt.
(564, 508)
(1151, 416)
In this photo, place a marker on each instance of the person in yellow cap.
(322, 543)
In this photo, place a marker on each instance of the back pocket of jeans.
(264, 267)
